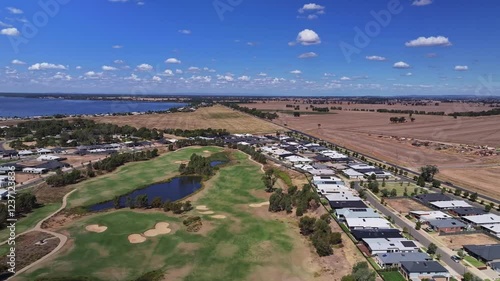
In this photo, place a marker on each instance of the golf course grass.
(226, 249)
(131, 177)
(30, 220)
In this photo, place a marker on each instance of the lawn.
(30, 220)
(132, 176)
(233, 249)
(400, 189)
(392, 276)
(474, 262)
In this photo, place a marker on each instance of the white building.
(331, 188)
(298, 159)
(390, 245)
(48, 158)
(25, 153)
(492, 228)
(425, 216)
(452, 204)
(327, 180)
(342, 196)
(34, 170)
(353, 174)
(367, 223)
(483, 219)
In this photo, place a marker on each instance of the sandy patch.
(181, 162)
(207, 212)
(206, 151)
(160, 228)
(96, 228)
(136, 238)
(218, 217)
(202, 208)
(258, 205)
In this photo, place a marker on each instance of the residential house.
(343, 214)
(360, 234)
(388, 260)
(425, 216)
(492, 228)
(467, 211)
(418, 270)
(482, 219)
(389, 245)
(353, 174)
(452, 204)
(447, 225)
(484, 253)
(340, 204)
(367, 223)
(432, 197)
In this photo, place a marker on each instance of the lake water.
(176, 189)
(28, 107)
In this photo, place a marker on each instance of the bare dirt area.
(405, 205)
(32, 246)
(216, 117)
(482, 179)
(457, 241)
(46, 194)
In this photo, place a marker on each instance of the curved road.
(38, 227)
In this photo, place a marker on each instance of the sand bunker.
(258, 205)
(136, 238)
(96, 228)
(207, 213)
(218, 217)
(181, 162)
(202, 208)
(206, 151)
(160, 228)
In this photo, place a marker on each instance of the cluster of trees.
(80, 131)
(118, 159)
(195, 141)
(209, 133)
(397, 119)
(269, 179)
(361, 272)
(320, 233)
(336, 107)
(62, 179)
(320, 109)
(25, 203)
(256, 155)
(142, 202)
(372, 184)
(404, 111)
(303, 200)
(495, 111)
(198, 165)
(253, 111)
(466, 194)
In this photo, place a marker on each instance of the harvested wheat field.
(456, 242)
(216, 117)
(405, 205)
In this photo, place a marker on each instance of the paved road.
(422, 237)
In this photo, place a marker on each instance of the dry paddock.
(406, 205)
(457, 241)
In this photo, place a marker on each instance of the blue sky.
(273, 47)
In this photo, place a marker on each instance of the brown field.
(454, 143)
(405, 205)
(456, 242)
(216, 117)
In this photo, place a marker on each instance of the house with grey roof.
(447, 225)
(390, 245)
(419, 270)
(484, 253)
(387, 260)
(343, 214)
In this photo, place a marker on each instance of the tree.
(421, 181)
(186, 206)
(458, 192)
(436, 184)
(461, 253)
(428, 172)
(431, 250)
(473, 197)
(418, 225)
(360, 272)
(394, 192)
(141, 201)
(438, 256)
(488, 208)
(157, 202)
(306, 225)
(471, 277)
(116, 202)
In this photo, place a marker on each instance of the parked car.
(456, 259)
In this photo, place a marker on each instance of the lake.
(176, 189)
(29, 107)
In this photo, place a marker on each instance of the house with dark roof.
(447, 225)
(467, 211)
(387, 260)
(432, 197)
(347, 204)
(484, 253)
(418, 270)
(321, 158)
(359, 234)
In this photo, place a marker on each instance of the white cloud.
(11, 31)
(46, 65)
(93, 74)
(156, 79)
(345, 78)
(312, 17)
(185, 31)
(133, 77)
(252, 44)
(172, 60)
(15, 11)
(375, 58)
(308, 55)
(168, 72)
(328, 74)
(409, 74)
(78, 67)
(311, 7)
(429, 41)
(62, 76)
(461, 68)
(244, 78)
(296, 71)
(117, 46)
(262, 74)
(118, 61)
(308, 37)
(401, 64)
(194, 69)
(421, 2)
(227, 78)
(140, 3)
(292, 43)
(3, 24)
(178, 71)
(108, 68)
(144, 67)
(18, 62)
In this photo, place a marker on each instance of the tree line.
(495, 111)
(320, 233)
(253, 111)
(25, 203)
(208, 133)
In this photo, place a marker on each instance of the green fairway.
(30, 220)
(132, 176)
(233, 248)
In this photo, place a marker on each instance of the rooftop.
(394, 258)
(483, 219)
(423, 267)
(368, 223)
(376, 233)
(446, 223)
(450, 204)
(382, 244)
(432, 197)
(358, 213)
(486, 252)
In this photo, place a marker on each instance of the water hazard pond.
(173, 190)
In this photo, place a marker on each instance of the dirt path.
(38, 227)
